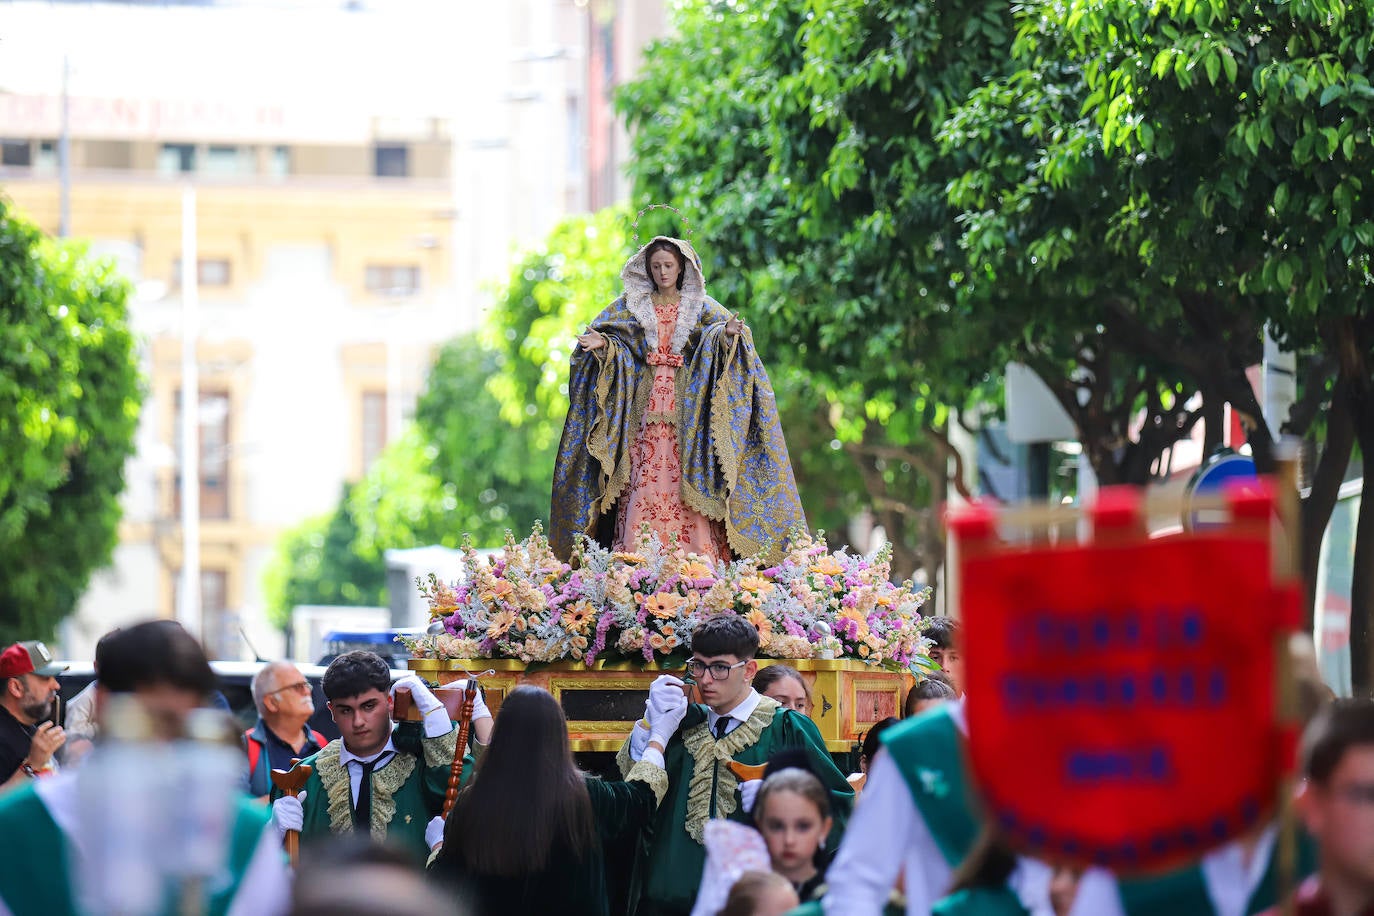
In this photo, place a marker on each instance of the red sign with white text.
(1121, 694)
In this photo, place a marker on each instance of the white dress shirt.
(887, 835)
(354, 764)
(1231, 878)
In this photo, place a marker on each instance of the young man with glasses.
(283, 698)
(733, 722)
(1336, 804)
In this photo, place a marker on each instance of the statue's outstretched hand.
(591, 340)
(734, 327)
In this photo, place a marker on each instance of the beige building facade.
(362, 178)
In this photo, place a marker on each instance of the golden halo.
(687, 235)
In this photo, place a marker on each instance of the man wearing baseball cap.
(28, 736)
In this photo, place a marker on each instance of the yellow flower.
(827, 566)
(664, 605)
(633, 559)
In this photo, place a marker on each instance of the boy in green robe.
(734, 723)
(386, 779)
(73, 840)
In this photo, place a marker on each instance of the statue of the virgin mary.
(672, 423)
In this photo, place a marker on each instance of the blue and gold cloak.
(735, 466)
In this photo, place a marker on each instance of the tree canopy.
(70, 394)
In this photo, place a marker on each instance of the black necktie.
(722, 724)
(362, 811)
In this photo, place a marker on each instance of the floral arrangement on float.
(524, 603)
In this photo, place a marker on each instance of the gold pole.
(1287, 570)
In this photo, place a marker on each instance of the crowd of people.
(684, 831)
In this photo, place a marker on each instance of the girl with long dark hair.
(528, 834)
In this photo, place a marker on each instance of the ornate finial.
(686, 235)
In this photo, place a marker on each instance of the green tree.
(70, 394)
(1234, 139)
(318, 562)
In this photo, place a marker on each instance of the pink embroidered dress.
(654, 495)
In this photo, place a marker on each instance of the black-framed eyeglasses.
(719, 670)
(301, 687)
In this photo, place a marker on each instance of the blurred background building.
(362, 172)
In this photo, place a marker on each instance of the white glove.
(665, 693)
(479, 705)
(420, 694)
(434, 832)
(748, 791)
(288, 814)
(666, 708)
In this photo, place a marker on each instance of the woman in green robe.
(528, 835)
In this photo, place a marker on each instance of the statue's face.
(665, 269)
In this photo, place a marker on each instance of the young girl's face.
(793, 828)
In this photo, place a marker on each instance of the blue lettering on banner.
(1100, 691)
(1144, 764)
(1166, 627)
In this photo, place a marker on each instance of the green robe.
(980, 901)
(34, 871)
(700, 787)
(1183, 892)
(406, 793)
(574, 881)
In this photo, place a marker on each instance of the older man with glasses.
(734, 722)
(283, 698)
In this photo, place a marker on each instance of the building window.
(16, 152)
(219, 628)
(279, 166)
(392, 279)
(214, 454)
(176, 157)
(209, 272)
(228, 160)
(46, 160)
(391, 160)
(373, 427)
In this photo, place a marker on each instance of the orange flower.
(756, 584)
(695, 569)
(633, 559)
(578, 618)
(857, 616)
(657, 642)
(827, 566)
(500, 624)
(499, 589)
(664, 605)
(762, 624)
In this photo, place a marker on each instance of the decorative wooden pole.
(455, 776)
(291, 782)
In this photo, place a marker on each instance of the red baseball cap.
(28, 658)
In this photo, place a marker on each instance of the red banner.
(1121, 693)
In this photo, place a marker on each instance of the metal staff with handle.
(291, 782)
